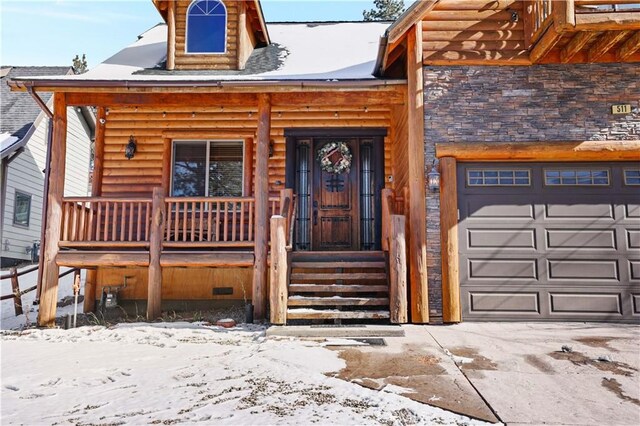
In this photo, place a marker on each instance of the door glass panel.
(303, 177)
(367, 194)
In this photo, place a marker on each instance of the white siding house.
(24, 163)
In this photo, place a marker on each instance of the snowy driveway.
(179, 373)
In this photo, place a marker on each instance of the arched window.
(206, 27)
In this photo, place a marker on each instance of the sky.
(52, 32)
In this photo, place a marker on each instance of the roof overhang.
(396, 33)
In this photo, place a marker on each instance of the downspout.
(45, 197)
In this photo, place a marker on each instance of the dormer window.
(206, 27)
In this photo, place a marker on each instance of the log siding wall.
(137, 177)
(467, 104)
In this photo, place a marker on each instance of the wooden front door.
(336, 211)
(335, 204)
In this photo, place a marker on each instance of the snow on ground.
(8, 319)
(170, 373)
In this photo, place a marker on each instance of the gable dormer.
(212, 34)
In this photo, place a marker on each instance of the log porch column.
(154, 285)
(49, 290)
(449, 240)
(96, 191)
(261, 193)
(417, 199)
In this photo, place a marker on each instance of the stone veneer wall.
(520, 104)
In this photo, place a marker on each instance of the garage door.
(550, 241)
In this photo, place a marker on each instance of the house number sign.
(621, 109)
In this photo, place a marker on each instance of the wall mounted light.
(433, 177)
(131, 148)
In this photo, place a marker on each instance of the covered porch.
(136, 224)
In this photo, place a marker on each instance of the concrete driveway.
(515, 373)
(522, 372)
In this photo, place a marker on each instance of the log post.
(49, 289)
(387, 210)
(398, 271)
(417, 200)
(154, 286)
(166, 165)
(96, 190)
(171, 39)
(261, 193)
(15, 288)
(449, 240)
(279, 271)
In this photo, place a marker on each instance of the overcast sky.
(52, 32)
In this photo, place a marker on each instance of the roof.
(314, 51)
(18, 111)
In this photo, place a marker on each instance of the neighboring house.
(24, 129)
(284, 163)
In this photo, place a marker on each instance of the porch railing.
(540, 14)
(103, 222)
(96, 221)
(209, 222)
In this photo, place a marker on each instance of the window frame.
(207, 143)
(498, 170)
(626, 179)
(226, 31)
(15, 204)
(576, 169)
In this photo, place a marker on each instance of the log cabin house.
(283, 163)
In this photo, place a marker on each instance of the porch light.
(130, 149)
(433, 177)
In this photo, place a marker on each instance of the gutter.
(30, 85)
(382, 51)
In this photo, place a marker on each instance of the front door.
(335, 207)
(338, 182)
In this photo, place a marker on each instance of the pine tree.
(384, 10)
(80, 66)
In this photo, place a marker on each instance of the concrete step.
(331, 330)
(313, 314)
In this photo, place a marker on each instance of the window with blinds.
(207, 168)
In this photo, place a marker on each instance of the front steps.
(338, 286)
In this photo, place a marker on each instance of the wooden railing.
(395, 246)
(94, 221)
(209, 222)
(538, 17)
(574, 15)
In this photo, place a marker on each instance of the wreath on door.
(335, 157)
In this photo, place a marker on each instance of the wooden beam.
(49, 290)
(605, 43)
(629, 47)
(614, 21)
(576, 44)
(154, 285)
(546, 43)
(248, 167)
(91, 279)
(166, 165)
(206, 259)
(115, 100)
(449, 240)
(261, 193)
(398, 271)
(171, 38)
(542, 151)
(278, 271)
(417, 206)
(564, 15)
(410, 18)
(92, 259)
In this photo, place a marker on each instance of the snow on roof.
(7, 143)
(307, 51)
